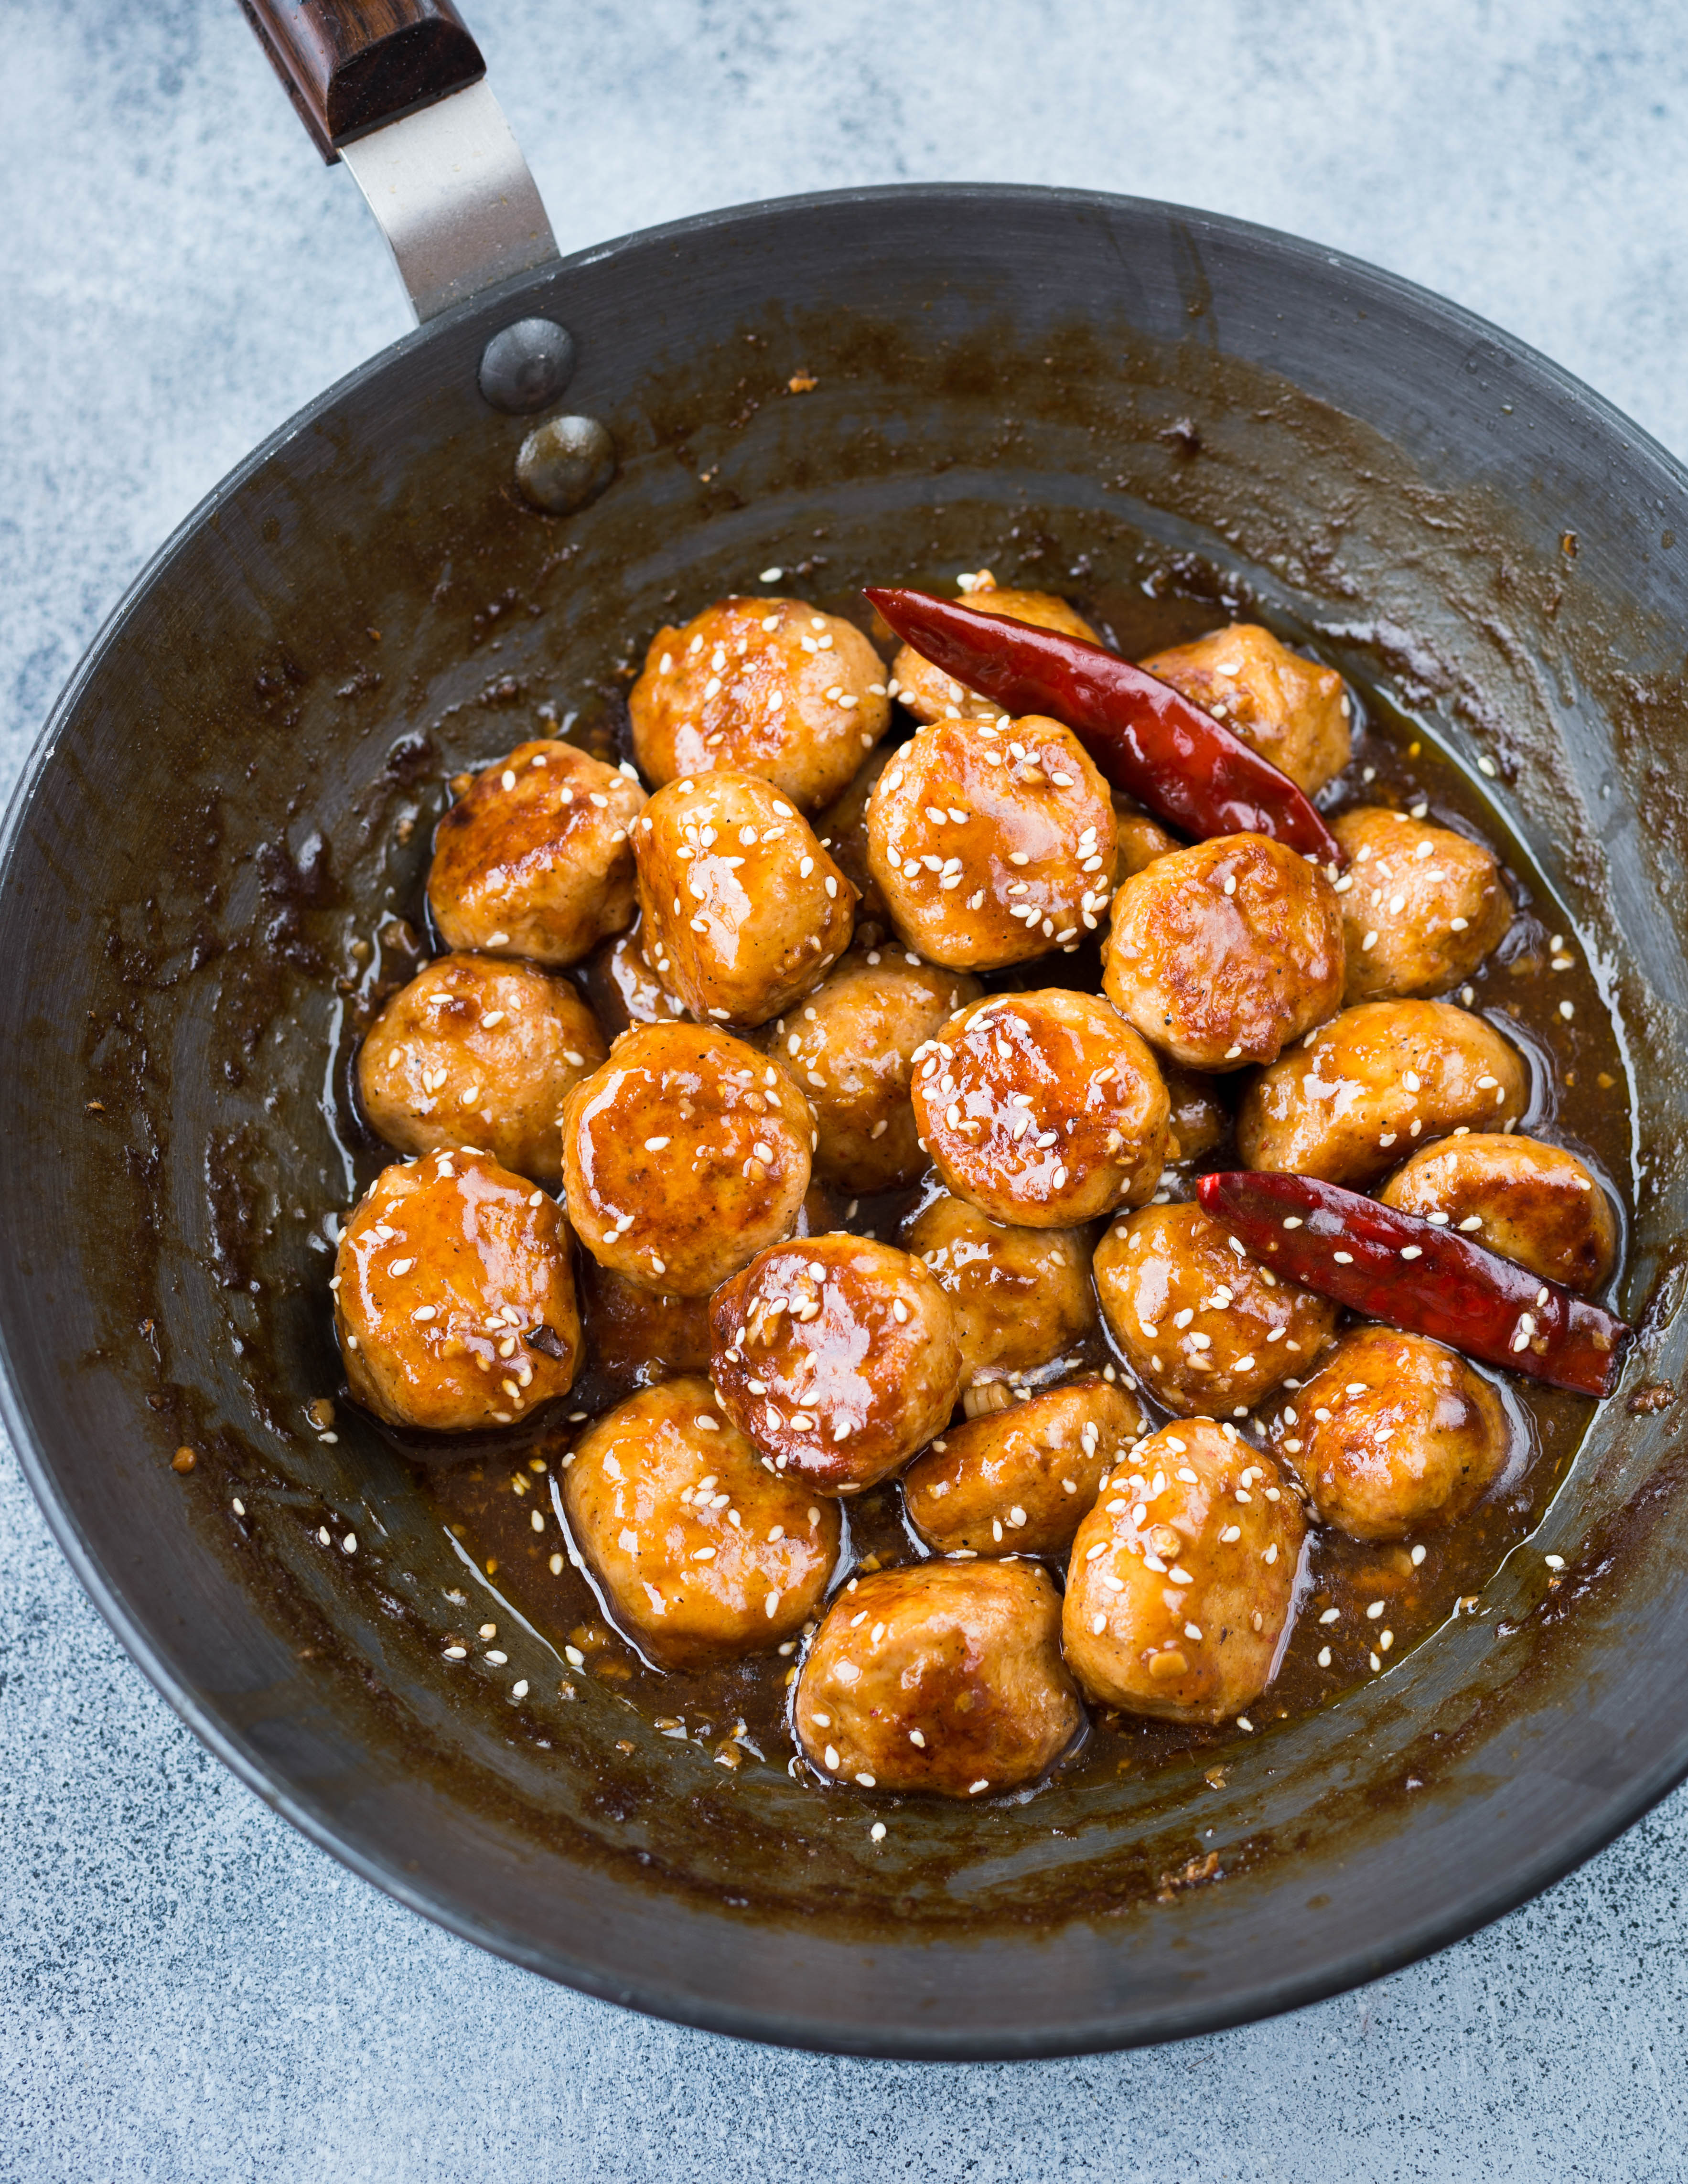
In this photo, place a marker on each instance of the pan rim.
(656, 1997)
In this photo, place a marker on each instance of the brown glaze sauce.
(488, 1490)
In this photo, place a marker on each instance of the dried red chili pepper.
(1407, 1272)
(1146, 737)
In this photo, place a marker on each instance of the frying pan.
(238, 785)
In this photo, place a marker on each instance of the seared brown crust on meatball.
(683, 1155)
(1364, 1089)
(624, 989)
(742, 909)
(1141, 839)
(1421, 906)
(1223, 953)
(991, 842)
(838, 1356)
(945, 1677)
(850, 1045)
(930, 695)
(1293, 711)
(701, 1552)
(765, 687)
(1206, 1330)
(841, 829)
(1396, 1434)
(477, 1051)
(453, 1296)
(1199, 1120)
(1021, 1297)
(635, 1336)
(1017, 1482)
(1181, 1577)
(1045, 1108)
(1534, 1203)
(534, 858)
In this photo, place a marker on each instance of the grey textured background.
(187, 1989)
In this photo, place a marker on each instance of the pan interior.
(1157, 413)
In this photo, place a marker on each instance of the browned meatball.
(1199, 1120)
(1367, 1087)
(1204, 1328)
(1293, 711)
(1223, 953)
(702, 1553)
(765, 687)
(1183, 1577)
(932, 695)
(1045, 1108)
(475, 1051)
(851, 1046)
(634, 1335)
(991, 844)
(1017, 1482)
(841, 829)
(1141, 839)
(624, 989)
(838, 1356)
(453, 1298)
(1021, 1297)
(742, 909)
(683, 1155)
(945, 1677)
(1534, 1203)
(1394, 1436)
(534, 858)
(1421, 906)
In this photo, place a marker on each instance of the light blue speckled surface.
(188, 1990)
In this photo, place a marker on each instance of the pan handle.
(350, 65)
(394, 86)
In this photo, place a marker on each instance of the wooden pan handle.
(349, 65)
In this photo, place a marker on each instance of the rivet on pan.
(526, 365)
(565, 463)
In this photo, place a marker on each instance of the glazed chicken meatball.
(1199, 1120)
(992, 842)
(1204, 1328)
(453, 1297)
(1045, 1109)
(1141, 839)
(1421, 906)
(1396, 1435)
(930, 695)
(683, 1155)
(1017, 1482)
(1021, 1297)
(634, 1336)
(1223, 953)
(946, 1677)
(1183, 1577)
(624, 989)
(1534, 1203)
(838, 1356)
(767, 687)
(850, 1045)
(1367, 1088)
(742, 909)
(1293, 711)
(841, 829)
(702, 1554)
(534, 858)
(478, 1051)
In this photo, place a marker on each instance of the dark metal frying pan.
(1050, 380)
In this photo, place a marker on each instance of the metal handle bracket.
(454, 197)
